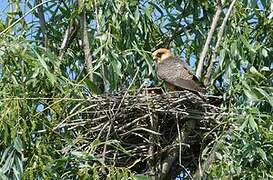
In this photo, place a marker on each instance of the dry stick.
(132, 122)
(219, 37)
(142, 129)
(180, 147)
(41, 16)
(179, 139)
(112, 118)
(208, 40)
(211, 158)
(63, 123)
(152, 138)
(85, 43)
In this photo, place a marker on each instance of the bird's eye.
(159, 54)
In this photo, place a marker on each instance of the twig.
(69, 34)
(216, 16)
(219, 38)
(133, 122)
(70, 116)
(133, 81)
(179, 139)
(152, 138)
(141, 129)
(112, 118)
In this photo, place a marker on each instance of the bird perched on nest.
(176, 73)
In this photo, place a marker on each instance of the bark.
(216, 49)
(85, 43)
(69, 35)
(200, 65)
(41, 17)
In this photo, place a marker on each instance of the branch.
(153, 139)
(41, 17)
(70, 33)
(68, 37)
(172, 157)
(200, 172)
(219, 37)
(85, 42)
(208, 40)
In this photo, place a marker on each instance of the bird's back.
(176, 72)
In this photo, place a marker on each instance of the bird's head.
(161, 54)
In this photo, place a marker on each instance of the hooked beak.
(154, 57)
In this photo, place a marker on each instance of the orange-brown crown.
(161, 54)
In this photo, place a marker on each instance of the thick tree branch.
(41, 17)
(172, 156)
(216, 49)
(208, 40)
(85, 42)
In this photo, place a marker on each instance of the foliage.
(245, 72)
(122, 34)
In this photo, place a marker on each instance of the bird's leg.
(170, 87)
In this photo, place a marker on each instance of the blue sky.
(3, 6)
(4, 9)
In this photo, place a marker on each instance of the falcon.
(175, 72)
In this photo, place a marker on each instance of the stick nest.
(142, 131)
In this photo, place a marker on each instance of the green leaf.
(78, 154)
(250, 94)
(18, 168)
(5, 154)
(36, 72)
(244, 125)
(266, 96)
(18, 145)
(51, 77)
(2, 175)
(137, 14)
(264, 52)
(262, 153)
(252, 123)
(254, 71)
(92, 86)
(8, 162)
(117, 67)
(142, 177)
(41, 60)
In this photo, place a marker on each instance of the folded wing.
(176, 72)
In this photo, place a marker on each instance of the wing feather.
(178, 73)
